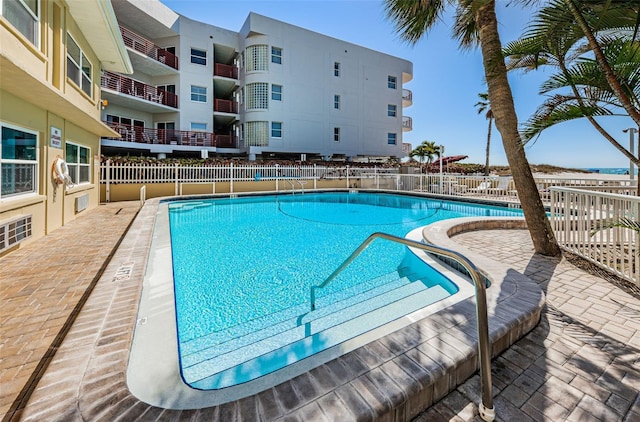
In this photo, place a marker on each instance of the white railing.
(282, 176)
(577, 217)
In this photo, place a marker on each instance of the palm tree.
(427, 149)
(589, 17)
(554, 40)
(485, 105)
(476, 23)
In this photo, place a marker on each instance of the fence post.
(315, 176)
(108, 182)
(231, 177)
(277, 175)
(348, 186)
(175, 169)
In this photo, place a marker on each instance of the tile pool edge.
(154, 345)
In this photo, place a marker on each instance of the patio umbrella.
(447, 160)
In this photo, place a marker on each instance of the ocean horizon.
(610, 170)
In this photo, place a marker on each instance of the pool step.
(316, 333)
(276, 322)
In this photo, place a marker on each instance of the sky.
(446, 80)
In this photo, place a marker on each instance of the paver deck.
(582, 362)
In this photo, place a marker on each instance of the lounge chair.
(503, 187)
(481, 188)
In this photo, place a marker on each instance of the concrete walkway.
(581, 363)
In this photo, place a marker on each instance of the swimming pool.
(243, 268)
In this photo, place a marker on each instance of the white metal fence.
(577, 205)
(578, 217)
(151, 173)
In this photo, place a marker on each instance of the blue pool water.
(243, 269)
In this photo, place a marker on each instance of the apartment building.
(51, 56)
(270, 90)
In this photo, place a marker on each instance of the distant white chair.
(481, 188)
(503, 187)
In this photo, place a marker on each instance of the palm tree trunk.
(501, 99)
(486, 164)
(614, 83)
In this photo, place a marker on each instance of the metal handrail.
(486, 409)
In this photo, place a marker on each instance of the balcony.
(407, 98)
(132, 88)
(407, 124)
(143, 135)
(225, 106)
(225, 71)
(147, 48)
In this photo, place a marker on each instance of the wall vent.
(82, 202)
(14, 231)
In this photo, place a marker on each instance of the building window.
(336, 134)
(198, 127)
(256, 134)
(198, 56)
(79, 68)
(167, 88)
(392, 138)
(276, 129)
(392, 110)
(257, 96)
(392, 82)
(276, 55)
(198, 94)
(18, 161)
(256, 58)
(336, 69)
(78, 162)
(24, 15)
(276, 92)
(336, 102)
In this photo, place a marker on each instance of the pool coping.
(155, 330)
(393, 378)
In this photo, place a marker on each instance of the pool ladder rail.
(486, 409)
(293, 186)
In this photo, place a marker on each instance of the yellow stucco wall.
(36, 95)
(131, 191)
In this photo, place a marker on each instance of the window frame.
(275, 93)
(80, 68)
(392, 136)
(336, 101)
(198, 97)
(35, 181)
(275, 129)
(392, 110)
(75, 167)
(336, 69)
(196, 58)
(276, 55)
(336, 134)
(392, 82)
(36, 16)
(196, 129)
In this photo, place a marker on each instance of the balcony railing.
(407, 95)
(149, 49)
(407, 123)
(407, 98)
(225, 71)
(137, 89)
(143, 135)
(225, 106)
